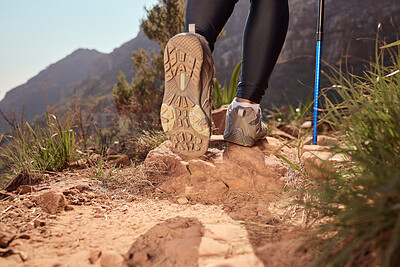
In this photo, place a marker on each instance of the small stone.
(23, 255)
(94, 158)
(306, 125)
(82, 187)
(94, 256)
(90, 195)
(16, 181)
(5, 238)
(52, 202)
(28, 204)
(71, 192)
(24, 236)
(38, 223)
(182, 200)
(122, 161)
(69, 208)
(227, 209)
(4, 195)
(111, 259)
(111, 152)
(24, 189)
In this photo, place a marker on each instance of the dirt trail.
(232, 226)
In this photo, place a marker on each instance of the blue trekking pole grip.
(318, 68)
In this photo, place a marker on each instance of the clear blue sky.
(37, 33)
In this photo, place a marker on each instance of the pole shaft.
(320, 25)
(316, 91)
(320, 29)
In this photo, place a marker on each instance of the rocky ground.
(231, 207)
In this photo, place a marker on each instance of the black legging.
(263, 38)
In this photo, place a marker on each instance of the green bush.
(360, 200)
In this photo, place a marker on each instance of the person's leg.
(189, 72)
(264, 35)
(209, 16)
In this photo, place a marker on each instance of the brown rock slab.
(52, 201)
(24, 189)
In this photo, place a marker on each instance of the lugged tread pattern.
(182, 117)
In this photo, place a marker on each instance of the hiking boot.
(243, 126)
(186, 108)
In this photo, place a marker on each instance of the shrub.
(49, 148)
(360, 201)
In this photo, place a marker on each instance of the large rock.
(225, 168)
(175, 242)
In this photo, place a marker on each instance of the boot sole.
(182, 118)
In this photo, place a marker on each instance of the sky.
(37, 33)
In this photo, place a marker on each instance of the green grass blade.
(234, 80)
(218, 96)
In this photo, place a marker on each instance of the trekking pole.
(318, 67)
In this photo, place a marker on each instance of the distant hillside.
(92, 73)
(89, 72)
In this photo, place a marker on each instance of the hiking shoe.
(186, 108)
(243, 126)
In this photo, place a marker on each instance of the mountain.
(349, 25)
(88, 72)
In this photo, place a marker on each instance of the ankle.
(245, 100)
(247, 103)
